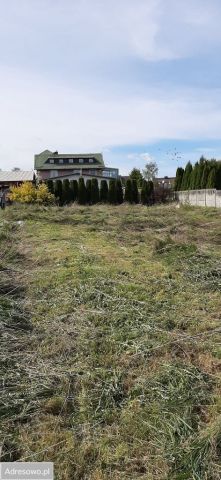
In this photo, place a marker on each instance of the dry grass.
(111, 341)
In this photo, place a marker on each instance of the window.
(91, 160)
(53, 173)
(51, 160)
(71, 160)
(81, 160)
(60, 160)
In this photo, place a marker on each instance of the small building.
(166, 183)
(55, 166)
(14, 178)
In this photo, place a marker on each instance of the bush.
(66, 192)
(74, 190)
(134, 191)
(28, 193)
(128, 192)
(88, 191)
(94, 191)
(58, 190)
(211, 181)
(43, 195)
(104, 191)
(112, 194)
(178, 179)
(50, 185)
(119, 192)
(82, 194)
(146, 192)
(187, 177)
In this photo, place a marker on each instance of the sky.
(139, 80)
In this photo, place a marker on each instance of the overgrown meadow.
(110, 341)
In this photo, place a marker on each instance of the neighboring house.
(72, 166)
(165, 182)
(17, 177)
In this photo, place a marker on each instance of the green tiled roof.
(42, 160)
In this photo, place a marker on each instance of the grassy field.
(110, 341)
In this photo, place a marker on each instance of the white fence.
(201, 198)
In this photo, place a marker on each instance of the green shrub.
(104, 191)
(74, 190)
(66, 192)
(187, 177)
(143, 195)
(94, 191)
(58, 191)
(50, 185)
(88, 191)
(119, 192)
(178, 179)
(128, 191)
(82, 194)
(135, 193)
(112, 193)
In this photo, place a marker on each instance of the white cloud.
(40, 115)
(46, 44)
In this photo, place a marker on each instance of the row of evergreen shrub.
(89, 193)
(204, 174)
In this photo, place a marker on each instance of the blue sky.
(137, 80)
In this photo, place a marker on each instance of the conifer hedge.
(128, 196)
(104, 191)
(119, 192)
(204, 174)
(90, 193)
(94, 191)
(74, 190)
(112, 193)
(58, 191)
(82, 193)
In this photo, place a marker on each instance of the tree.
(94, 191)
(88, 191)
(150, 188)
(58, 191)
(145, 193)
(74, 190)
(199, 173)
(218, 176)
(135, 193)
(211, 181)
(150, 171)
(112, 193)
(136, 174)
(205, 174)
(66, 192)
(128, 191)
(50, 185)
(82, 194)
(104, 191)
(186, 177)
(119, 191)
(194, 176)
(179, 178)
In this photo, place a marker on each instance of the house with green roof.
(54, 165)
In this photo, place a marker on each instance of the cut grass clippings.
(110, 347)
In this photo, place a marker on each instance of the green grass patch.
(110, 358)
